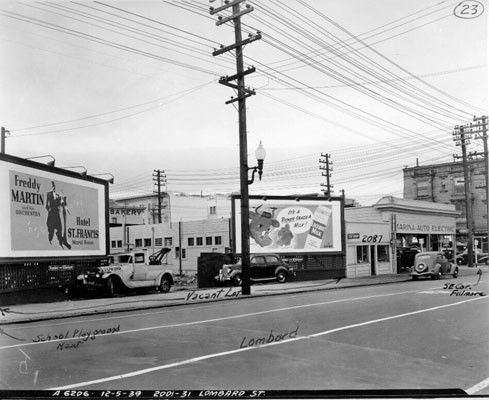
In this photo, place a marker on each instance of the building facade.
(376, 235)
(186, 239)
(444, 183)
(144, 210)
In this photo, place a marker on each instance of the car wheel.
(437, 275)
(281, 277)
(455, 273)
(165, 284)
(237, 281)
(112, 286)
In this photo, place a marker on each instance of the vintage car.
(129, 271)
(263, 267)
(479, 258)
(433, 264)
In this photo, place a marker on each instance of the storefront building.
(377, 235)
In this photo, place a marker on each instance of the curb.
(126, 306)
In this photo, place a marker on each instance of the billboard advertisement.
(285, 225)
(49, 214)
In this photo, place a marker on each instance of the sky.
(129, 87)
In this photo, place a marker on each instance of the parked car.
(129, 271)
(433, 264)
(463, 258)
(263, 267)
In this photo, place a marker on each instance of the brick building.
(444, 183)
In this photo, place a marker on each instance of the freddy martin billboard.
(289, 226)
(51, 214)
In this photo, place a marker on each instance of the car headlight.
(85, 275)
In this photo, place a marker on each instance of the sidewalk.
(180, 295)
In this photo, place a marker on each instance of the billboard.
(50, 214)
(291, 225)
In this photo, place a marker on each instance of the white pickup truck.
(131, 270)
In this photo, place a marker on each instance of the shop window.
(147, 242)
(168, 241)
(190, 241)
(113, 244)
(383, 253)
(212, 210)
(217, 240)
(119, 244)
(158, 242)
(199, 241)
(208, 241)
(362, 254)
(139, 243)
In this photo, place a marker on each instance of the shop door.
(372, 260)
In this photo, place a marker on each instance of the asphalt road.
(412, 335)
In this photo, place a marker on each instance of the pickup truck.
(131, 270)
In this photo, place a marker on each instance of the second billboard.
(285, 225)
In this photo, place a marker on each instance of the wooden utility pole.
(479, 127)
(326, 166)
(159, 178)
(463, 139)
(242, 94)
(2, 139)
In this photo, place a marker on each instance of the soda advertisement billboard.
(284, 225)
(47, 214)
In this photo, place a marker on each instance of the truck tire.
(237, 281)
(165, 284)
(112, 286)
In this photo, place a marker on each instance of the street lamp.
(260, 154)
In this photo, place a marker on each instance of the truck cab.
(130, 270)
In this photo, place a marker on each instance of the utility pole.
(479, 127)
(462, 138)
(326, 166)
(242, 94)
(3, 135)
(159, 178)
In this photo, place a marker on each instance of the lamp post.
(260, 154)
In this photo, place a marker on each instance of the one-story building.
(375, 235)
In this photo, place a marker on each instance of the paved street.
(405, 335)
